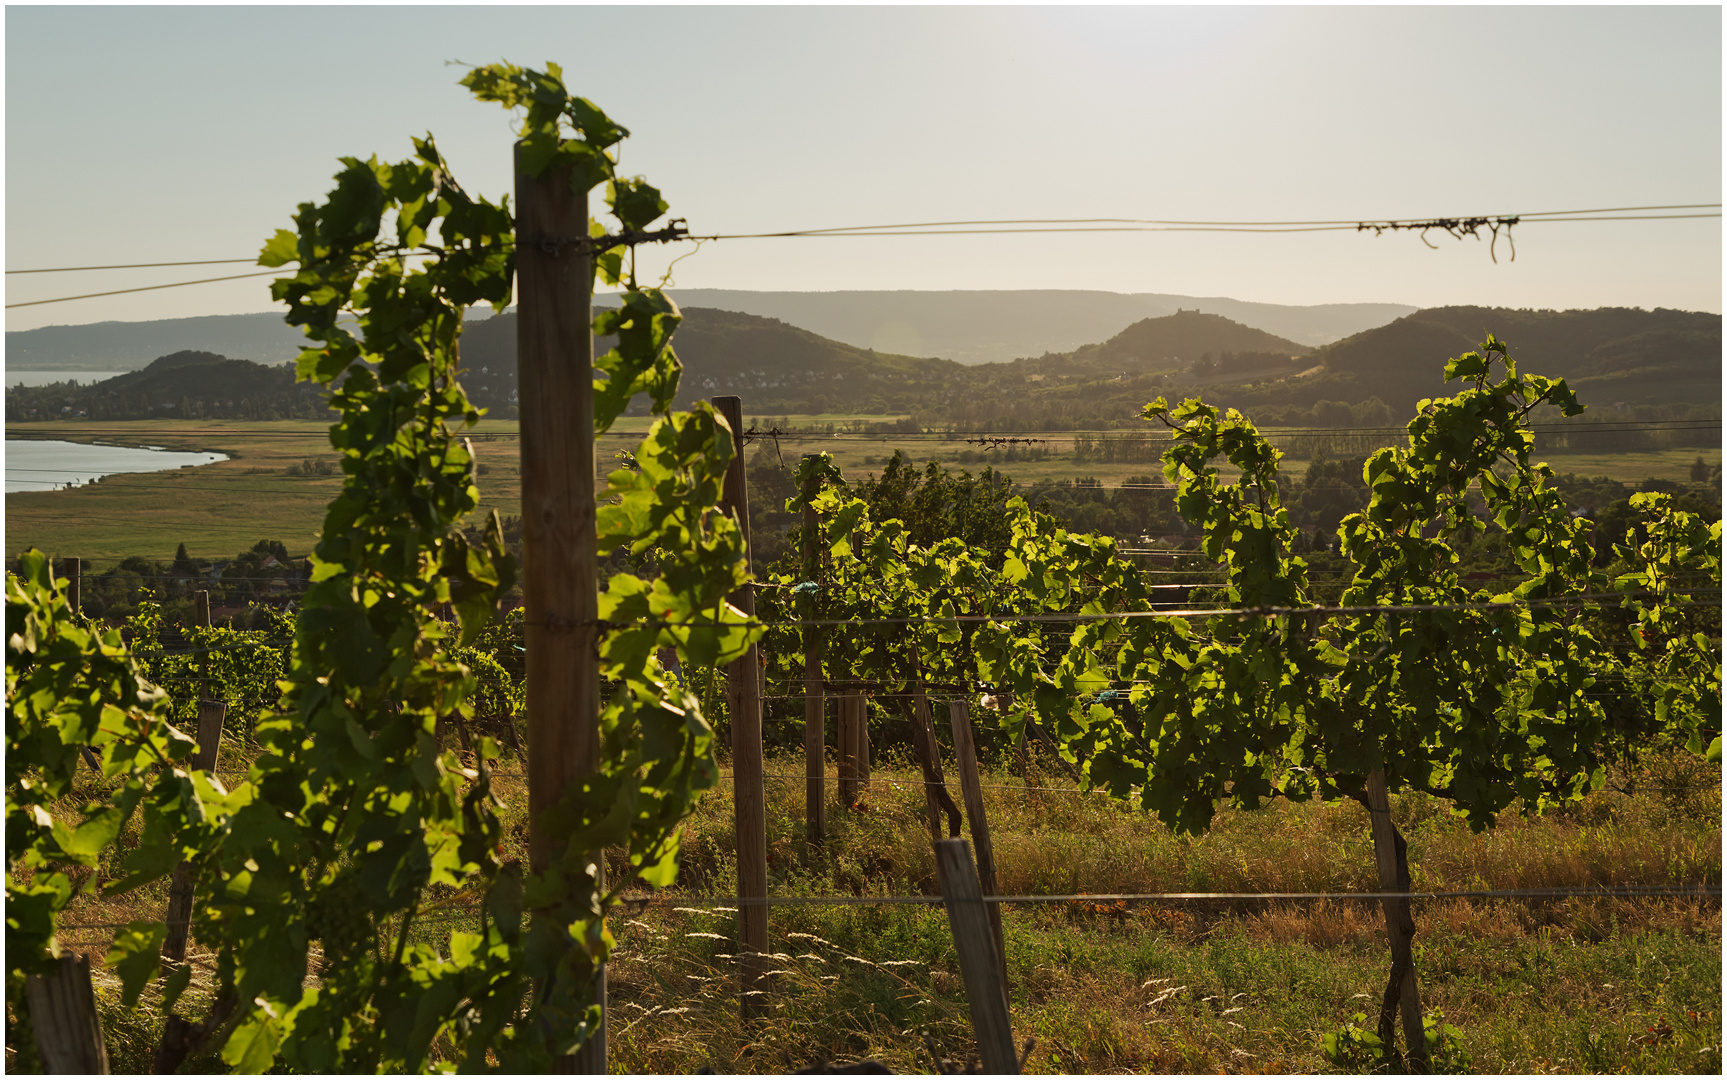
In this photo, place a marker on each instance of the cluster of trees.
(263, 576)
(187, 385)
(936, 501)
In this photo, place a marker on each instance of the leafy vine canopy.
(1483, 697)
(352, 816)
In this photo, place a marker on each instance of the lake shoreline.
(38, 465)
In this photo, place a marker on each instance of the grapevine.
(352, 815)
(69, 685)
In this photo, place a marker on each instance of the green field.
(217, 510)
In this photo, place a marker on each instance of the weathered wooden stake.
(860, 746)
(201, 617)
(1389, 849)
(743, 697)
(985, 991)
(936, 798)
(815, 708)
(211, 714)
(971, 790)
(63, 1016)
(847, 742)
(73, 567)
(555, 365)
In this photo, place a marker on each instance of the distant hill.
(1643, 360)
(967, 326)
(128, 346)
(189, 384)
(775, 367)
(1607, 355)
(778, 368)
(1183, 340)
(981, 326)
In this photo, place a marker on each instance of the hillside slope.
(975, 326)
(1608, 355)
(778, 368)
(128, 346)
(1182, 340)
(775, 367)
(970, 326)
(187, 384)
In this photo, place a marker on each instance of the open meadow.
(262, 491)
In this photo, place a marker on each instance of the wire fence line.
(1711, 891)
(1591, 600)
(1355, 224)
(943, 435)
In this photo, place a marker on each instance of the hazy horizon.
(764, 119)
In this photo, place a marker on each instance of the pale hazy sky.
(138, 134)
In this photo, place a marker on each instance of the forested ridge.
(1632, 364)
(187, 385)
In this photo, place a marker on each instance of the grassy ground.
(1543, 986)
(220, 509)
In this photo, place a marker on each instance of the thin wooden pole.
(555, 362)
(847, 740)
(63, 1016)
(73, 567)
(211, 715)
(860, 746)
(985, 993)
(1390, 852)
(971, 790)
(815, 708)
(201, 617)
(936, 798)
(743, 697)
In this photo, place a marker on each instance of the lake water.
(47, 464)
(43, 378)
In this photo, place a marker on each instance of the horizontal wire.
(733, 902)
(1266, 611)
(955, 435)
(1093, 898)
(143, 288)
(131, 266)
(1356, 227)
(888, 230)
(1248, 224)
(1542, 214)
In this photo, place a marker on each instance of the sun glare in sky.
(168, 134)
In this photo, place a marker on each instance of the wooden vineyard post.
(847, 741)
(860, 745)
(985, 992)
(63, 1016)
(201, 617)
(743, 698)
(1388, 848)
(853, 747)
(936, 798)
(815, 708)
(560, 589)
(211, 715)
(971, 790)
(73, 567)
